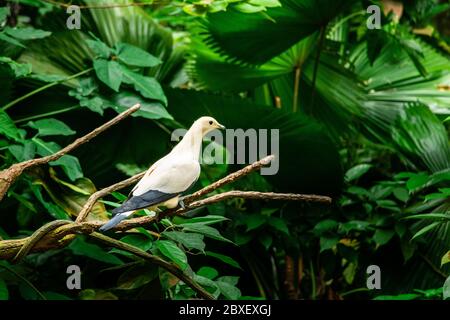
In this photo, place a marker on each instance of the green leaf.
(266, 240)
(135, 56)
(79, 246)
(383, 236)
(137, 276)
(70, 165)
(94, 104)
(405, 296)
(139, 241)
(27, 33)
(432, 216)
(278, 224)
(149, 109)
(171, 251)
(4, 13)
(446, 289)
(23, 152)
(208, 272)
(208, 231)
(189, 240)
(246, 36)
(445, 258)
(426, 229)
(357, 171)
(229, 291)
(328, 242)
(4, 294)
(248, 8)
(224, 258)
(253, 221)
(206, 220)
(325, 226)
(229, 279)
(51, 127)
(416, 181)
(10, 40)
(109, 72)
(99, 48)
(50, 295)
(20, 69)
(7, 126)
(148, 87)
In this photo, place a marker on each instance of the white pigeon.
(169, 177)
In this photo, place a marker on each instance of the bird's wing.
(165, 180)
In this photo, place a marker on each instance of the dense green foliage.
(363, 116)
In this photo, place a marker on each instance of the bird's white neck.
(191, 143)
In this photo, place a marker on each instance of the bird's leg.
(181, 203)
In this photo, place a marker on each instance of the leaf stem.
(43, 115)
(45, 87)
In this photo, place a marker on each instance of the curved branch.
(9, 176)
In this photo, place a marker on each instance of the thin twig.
(9, 176)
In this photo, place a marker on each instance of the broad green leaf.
(94, 104)
(137, 276)
(148, 87)
(79, 246)
(278, 224)
(357, 171)
(208, 231)
(208, 272)
(328, 242)
(189, 240)
(135, 56)
(224, 258)
(10, 40)
(149, 109)
(417, 181)
(206, 220)
(171, 251)
(383, 236)
(326, 225)
(229, 279)
(229, 291)
(51, 127)
(4, 13)
(99, 48)
(139, 241)
(358, 225)
(20, 69)
(27, 33)
(4, 294)
(70, 165)
(7, 126)
(109, 72)
(23, 152)
(253, 221)
(246, 36)
(54, 210)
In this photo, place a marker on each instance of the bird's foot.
(181, 204)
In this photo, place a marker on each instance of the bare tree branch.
(9, 176)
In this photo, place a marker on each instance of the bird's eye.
(210, 123)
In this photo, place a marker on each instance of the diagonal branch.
(9, 176)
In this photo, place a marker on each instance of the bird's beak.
(221, 126)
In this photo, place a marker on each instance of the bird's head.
(207, 124)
